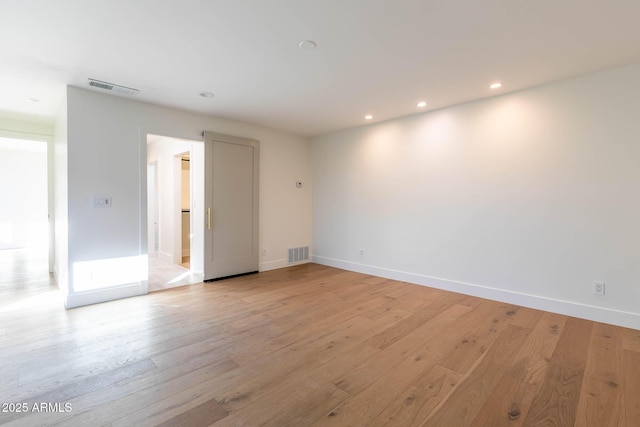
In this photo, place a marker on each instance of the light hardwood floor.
(310, 346)
(165, 275)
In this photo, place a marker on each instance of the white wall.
(61, 204)
(197, 208)
(527, 197)
(35, 130)
(107, 156)
(186, 186)
(186, 206)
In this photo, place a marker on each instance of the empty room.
(297, 213)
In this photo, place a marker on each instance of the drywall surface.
(21, 129)
(107, 158)
(61, 208)
(186, 186)
(528, 197)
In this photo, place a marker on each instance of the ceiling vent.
(113, 87)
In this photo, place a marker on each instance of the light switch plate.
(101, 202)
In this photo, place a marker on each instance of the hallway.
(26, 281)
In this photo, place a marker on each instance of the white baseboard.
(280, 263)
(186, 252)
(102, 295)
(60, 282)
(569, 308)
(55, 276)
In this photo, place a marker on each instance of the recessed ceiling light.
(495, 85)
(422, 104)
(307, 45)
(368, 117)
(206, 94)
(34, 100)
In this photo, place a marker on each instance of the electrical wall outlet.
(264, 251)
(598, 288)
(361, 253)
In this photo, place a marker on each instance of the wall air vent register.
(112, 87)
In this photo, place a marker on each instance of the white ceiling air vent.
(113, 87)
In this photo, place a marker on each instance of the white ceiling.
(374, 57)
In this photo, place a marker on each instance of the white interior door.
(231, 206)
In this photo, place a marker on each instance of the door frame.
(47, 138)
(152, 167)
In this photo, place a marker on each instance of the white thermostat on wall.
(101, 202)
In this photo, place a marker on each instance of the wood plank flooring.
(165, 275)
(307, 346)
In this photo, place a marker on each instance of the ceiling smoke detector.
(112, 87)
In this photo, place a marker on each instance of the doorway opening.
(24, 225)
(175, 193)
(185, 197)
